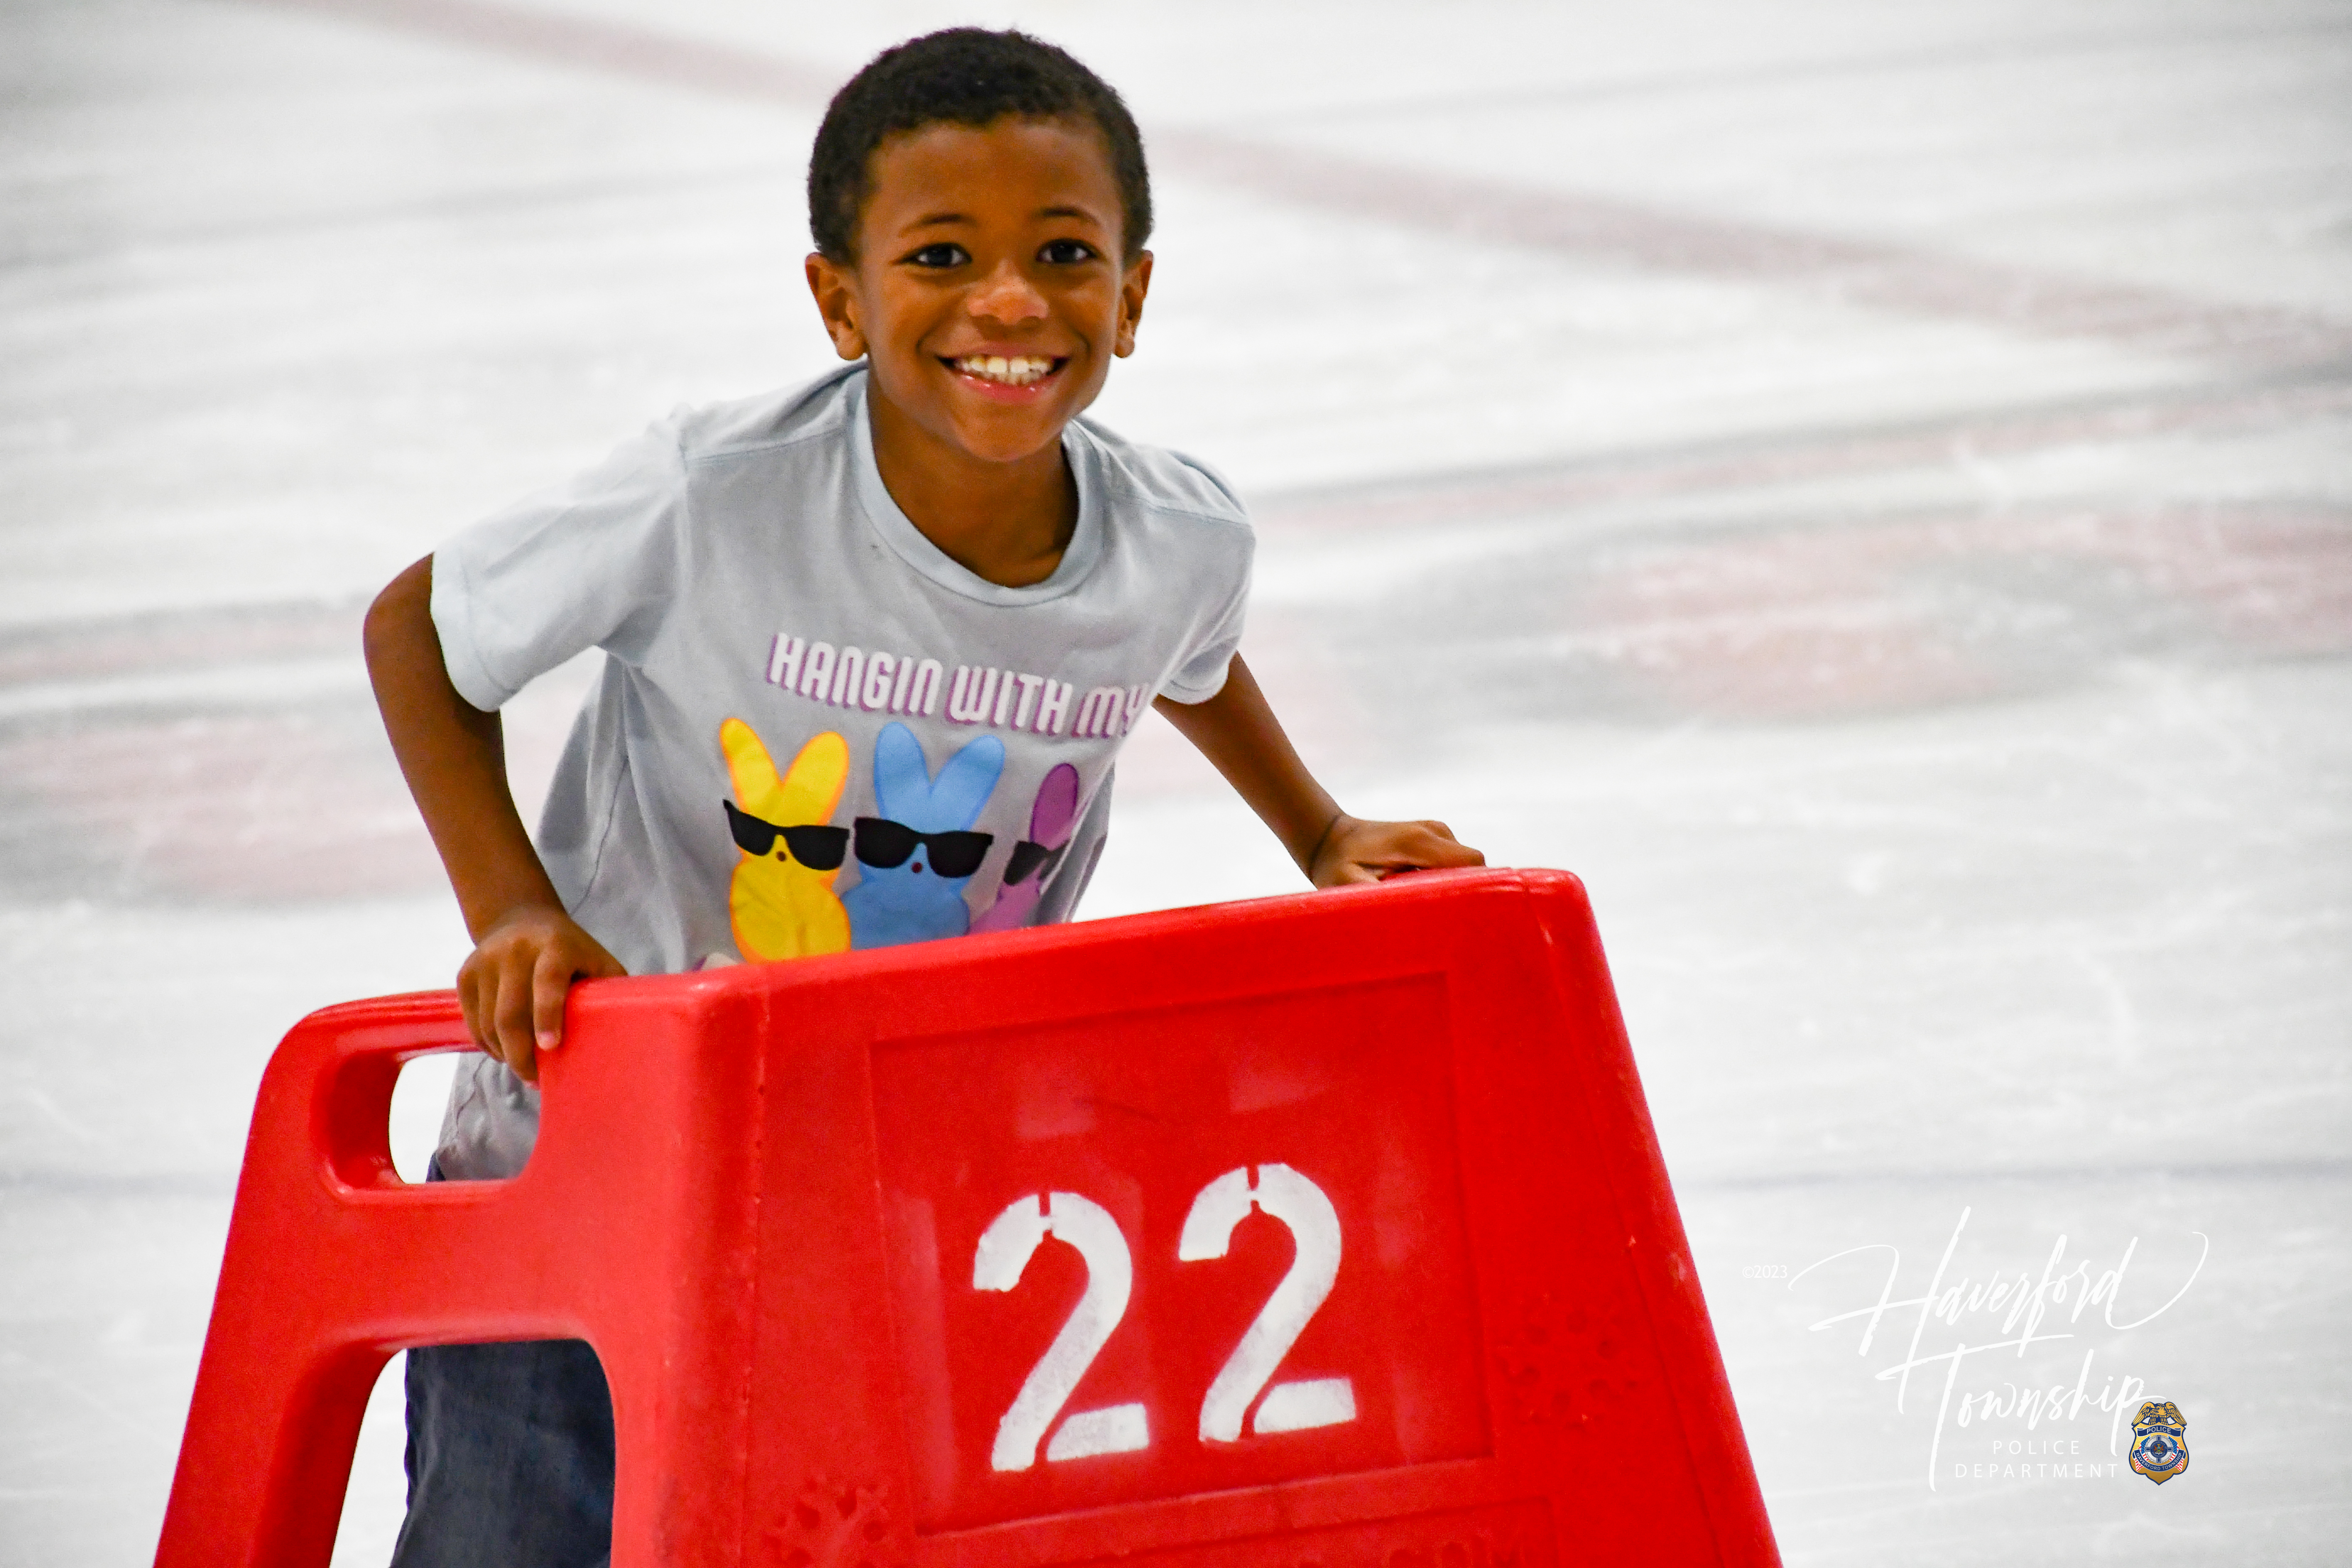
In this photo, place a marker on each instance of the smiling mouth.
(1019, 370)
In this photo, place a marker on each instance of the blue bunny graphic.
(914, 859)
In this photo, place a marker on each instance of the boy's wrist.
(1314, 856)
(507, 912)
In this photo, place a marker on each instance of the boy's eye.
(1065, 252)
(942, 255)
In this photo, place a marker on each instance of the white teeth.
(1020, 370)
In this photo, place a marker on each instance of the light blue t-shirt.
(814, 730)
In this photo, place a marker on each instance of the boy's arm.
(527, 949)
(1240, 735)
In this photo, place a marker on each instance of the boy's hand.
(513, 987)
(1240, 736)
(1354, 850)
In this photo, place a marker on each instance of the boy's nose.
(1007, 297)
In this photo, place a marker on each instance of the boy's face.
(989, 294)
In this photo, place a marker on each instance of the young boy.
(921, 597)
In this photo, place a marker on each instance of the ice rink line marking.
(2036, 51)
(115, 1186)
(644, 53)
(270, 683)
(2182, 1171)
(1872, 273)
(1868, 272)
(135, 643)
(1763, 461)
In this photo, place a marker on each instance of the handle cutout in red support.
(352, 1117)
(420, 1099)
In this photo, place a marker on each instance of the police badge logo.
(2158, 1451)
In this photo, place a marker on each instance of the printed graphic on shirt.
(914, 859)
(781, 900)
(1052, 818)
(883, 682)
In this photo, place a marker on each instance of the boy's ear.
(837, 300)
(1133, 285)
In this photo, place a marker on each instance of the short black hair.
(963, 76)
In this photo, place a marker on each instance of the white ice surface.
(1868, 486)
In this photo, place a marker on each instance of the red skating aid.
(1320, 1231)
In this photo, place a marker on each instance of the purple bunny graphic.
(1051, 821)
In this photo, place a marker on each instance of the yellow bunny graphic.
(781, 901)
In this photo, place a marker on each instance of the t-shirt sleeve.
(1201, 673)
(589, 563)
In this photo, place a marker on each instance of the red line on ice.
(1874, 273)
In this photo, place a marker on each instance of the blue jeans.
(509, 1456)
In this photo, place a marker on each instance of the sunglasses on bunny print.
(813, 844)
(882, 844)
(1029, 855)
